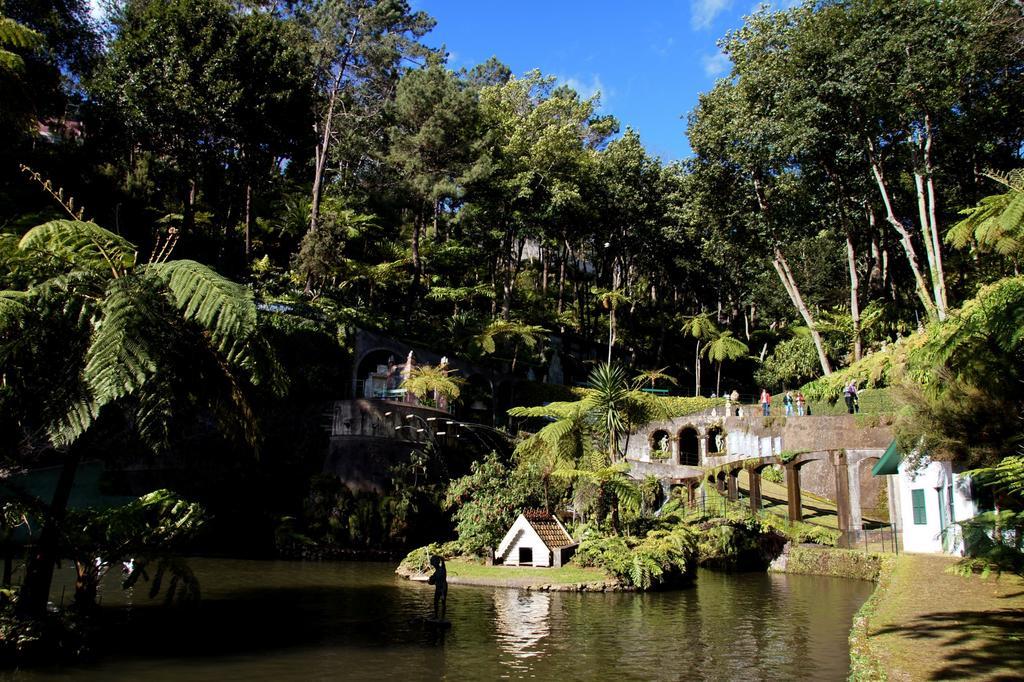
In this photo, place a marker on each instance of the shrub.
(662, 558)
(773, 474)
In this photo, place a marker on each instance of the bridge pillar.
(702, 447)
(755, 489)
(842, 490)
(673, 445)
(731, 485)
(793, 492)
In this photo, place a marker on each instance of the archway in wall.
(716, 441)
(370, 381)
(661, 445)
(476, 401)
(689, 447)
(874, 493)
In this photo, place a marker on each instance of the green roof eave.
(890, 462)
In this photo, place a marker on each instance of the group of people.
(799, 402)
(789, 401)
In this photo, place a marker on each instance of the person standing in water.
(439, 579)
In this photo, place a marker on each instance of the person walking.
(850, 395)
(766, 402)
(801, 402)
(787, 402)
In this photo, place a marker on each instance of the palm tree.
(703, 329)
(653, 376)
(529, 335)
(428, 380)
(724, 347)
(608, 393)
(611, 299)
(581, 444)
(144, 337)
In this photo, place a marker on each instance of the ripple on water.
(288, 620)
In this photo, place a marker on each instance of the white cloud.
(588, 89)
(703, 12)
(715, 65)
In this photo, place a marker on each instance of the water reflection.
(522, 620)
(276, 620)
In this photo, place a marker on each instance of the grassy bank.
(468, 572)
(924, 623)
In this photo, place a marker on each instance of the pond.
(273, 620)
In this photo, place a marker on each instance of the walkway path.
(931, 625)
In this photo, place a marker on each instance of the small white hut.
(535, 539)
(926, 502)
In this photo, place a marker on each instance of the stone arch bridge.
(827, 455)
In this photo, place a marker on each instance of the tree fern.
(997, 222)
(81, 245)
(15, 35)
(225, 309)
(121, 355)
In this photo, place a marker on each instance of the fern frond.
(120, 357)
(224, 309)
(82, 244)
(13, 34)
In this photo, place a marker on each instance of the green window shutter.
(917, 501)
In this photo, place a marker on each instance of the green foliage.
(682, 406)
(418, 560)
(792, 362)
(335, 520)
(839, 563)
(993, 543)
(997, 222)
(134, 324)
(486, 502)
(773, 474)
(426, 380)
(1007, 476)
(15, 35)
(660, 559)
(85, 244)
(149, 531)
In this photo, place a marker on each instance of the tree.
(358, 49)
(149, 530)
(538, 141)
(997, 222)
(139, 338)
(431, 145)
(703, 330)
(427, 380)
(173, 100)
(721, 348)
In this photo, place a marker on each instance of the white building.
(535, 539)
(926, 502)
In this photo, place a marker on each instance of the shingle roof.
(551, 533)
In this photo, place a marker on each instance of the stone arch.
(660, 442)
(873, 492)
(716, 441)
(367, 366)
(689, 446)
(477, 399)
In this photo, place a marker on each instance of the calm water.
(275, 620)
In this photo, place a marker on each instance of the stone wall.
(753, 435)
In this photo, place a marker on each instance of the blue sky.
(649, 59)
